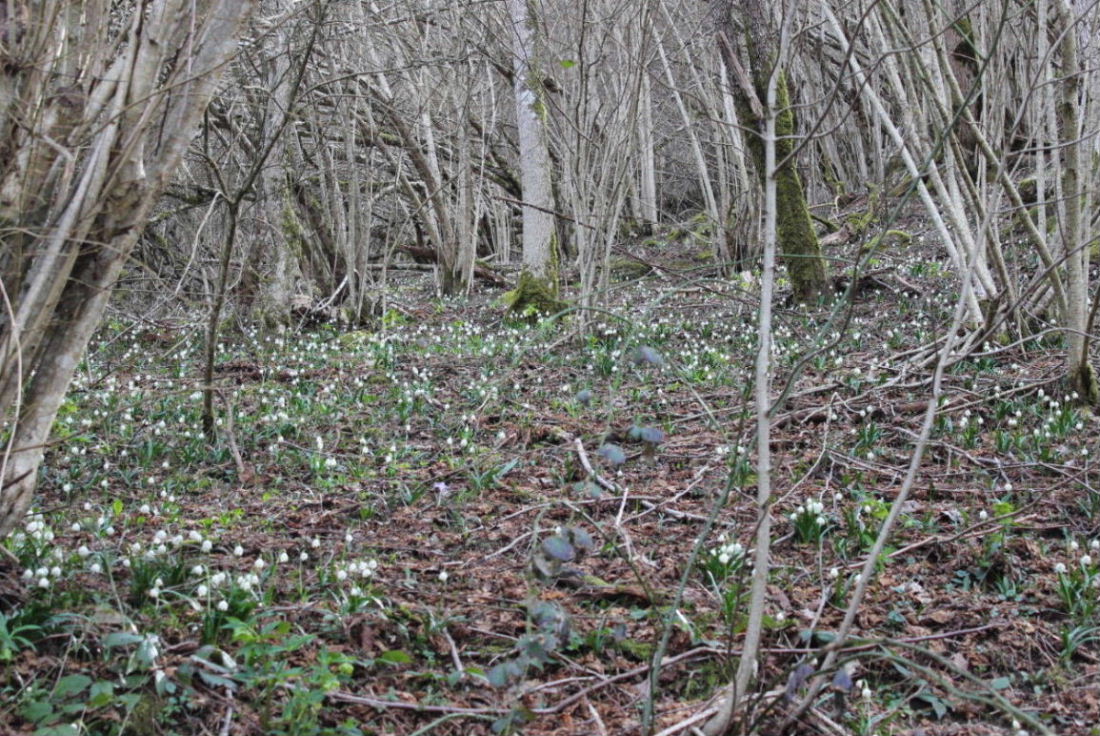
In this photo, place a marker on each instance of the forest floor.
(454, 524)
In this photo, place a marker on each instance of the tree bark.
(749, 24)
(131, 127)
(534, 153)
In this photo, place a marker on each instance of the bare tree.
(99, 105)
(747, 39)
(539, 275)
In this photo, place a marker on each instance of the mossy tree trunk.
(534, 156)
(749, 24)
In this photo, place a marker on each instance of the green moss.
(628, 268)
(798, 244)
(1084, 382)
(533, 297)
(890, 238)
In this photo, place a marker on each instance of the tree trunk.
(130, 128)
(750, 22)
(534, 153)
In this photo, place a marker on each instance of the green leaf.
(101, 694)
(506, 468)
(567, 63)
(395, 656)
(214, 680)
(1001, 683)
(65, 729)
(37, 711)
(121, 639)
(71, 685)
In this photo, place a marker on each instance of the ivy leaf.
(588, 488)
(557, 548)
(612, 454)
(646, 355)
(580, 537)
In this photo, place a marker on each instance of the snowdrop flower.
(43, 583)
(83, 550)
(284, 557)
(207, 545)
(1086, 560)
(315, 543)
(442, 576)
(1060, 569)
(983, 515)
(238, 551)
(223, 605)
(96, 568)
(259, 563)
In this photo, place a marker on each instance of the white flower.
(223, 605)
(983, 515)
(154, 592)
(75, 527)
(198, 570)
(96, 568)
(207, 545)
(315, 543)
(1060, 569)
(442, 576)
(83, 550)
(43, 582)
(201, 591)
(284, 557)
(238, 551)
(259, 563)
(1086, 560)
